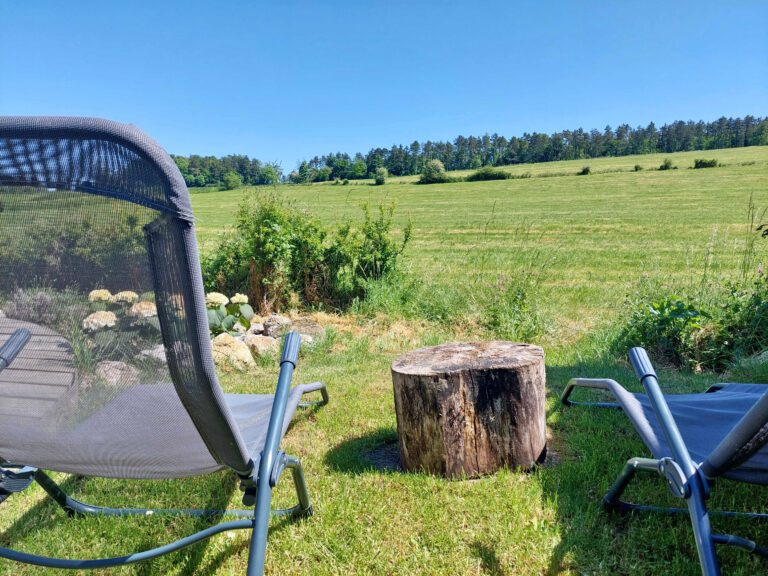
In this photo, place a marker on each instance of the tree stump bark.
(469, 409)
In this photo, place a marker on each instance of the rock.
(156, 354)
(2, 314)
(276, 325)
(117, 373)
(239, 328)
(228, 349)
(261, 345)
(256, 328)
(309, 329)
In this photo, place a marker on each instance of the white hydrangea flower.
(99, 320)
(142, 310)
(239, 299)
(99, 296)
(216, 299)
(126, 297)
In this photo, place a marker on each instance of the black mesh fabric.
(98, 262)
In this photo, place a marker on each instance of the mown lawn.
(600, 234)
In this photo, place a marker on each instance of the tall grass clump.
(502, 299)
(281, 256)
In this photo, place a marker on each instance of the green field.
(604, 230)
(599, 235)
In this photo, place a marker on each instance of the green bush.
(488, 173)
(702, 163)
(700, 334)
(278, 255)
(380, 176)
(584, 171)
(232, 180)
(667, 165)
(433, 173)
(638, 168)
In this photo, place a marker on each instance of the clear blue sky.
(286, 80)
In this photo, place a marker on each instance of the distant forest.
(488, 150)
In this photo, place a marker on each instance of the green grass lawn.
(600, 235)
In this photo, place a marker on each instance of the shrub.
(638, 167)
(488, 173)
(702, 163)
(433, 173)
(380, 176)
(667, 165)
(663, 326)
(279, 254)
(345, 182)
(698, 334)
(232, 180)
(584, 171)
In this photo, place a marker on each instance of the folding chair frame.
(257, 488)
(685, 479)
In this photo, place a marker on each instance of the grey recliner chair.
(694, 439)
(106, 366)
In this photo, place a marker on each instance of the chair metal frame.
(257, 488)
(686, 479)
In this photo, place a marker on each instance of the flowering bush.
(99, 296)
(99, 320)
(215, 299)
(226, 315)
(125, 297)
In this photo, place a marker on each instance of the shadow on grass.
(376, 452)
(488, 559)
(38, 516)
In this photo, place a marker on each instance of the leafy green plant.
(278, 255)
(433, 173)
(664, 326)
(224, 314)
(702, 163)
(585, 171)
(380, 176)
(667, 165)
(488, 173)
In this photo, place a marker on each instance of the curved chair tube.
(595, 384)
(123, 560)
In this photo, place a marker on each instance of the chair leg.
(258, 548)
(697, 509)
(702, 529)
(305, 506)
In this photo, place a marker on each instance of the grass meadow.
(593, 240)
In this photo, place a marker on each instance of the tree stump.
(469, 409)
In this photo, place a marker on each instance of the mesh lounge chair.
(694, 439)
(106, 366)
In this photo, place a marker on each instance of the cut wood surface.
(467, 409)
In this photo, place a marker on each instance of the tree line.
(473, 152)
(229, 171)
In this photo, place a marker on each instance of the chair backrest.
(98, 260)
